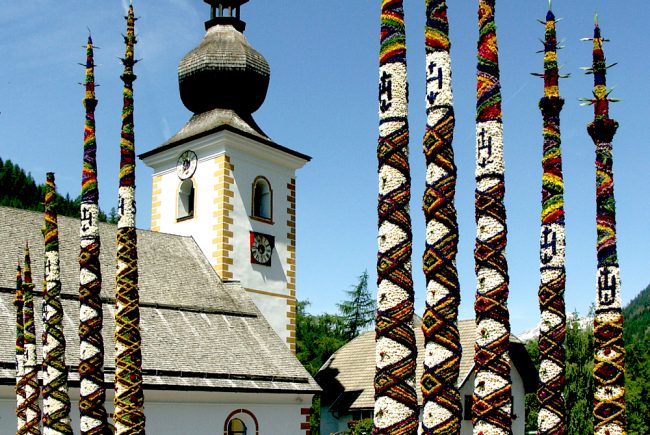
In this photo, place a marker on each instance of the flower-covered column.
(609, 350)
(91, 346)
(396, 407)
(442, 410)
(21, 405)
(129, 399)
(32, 387)
(552, 414)
(56, 402)
(492, 401)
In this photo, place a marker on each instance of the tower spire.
(129, 399)
(92, 393)
(609, 350)
(552, 414)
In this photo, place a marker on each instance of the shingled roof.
(198, 333)
(347, 377)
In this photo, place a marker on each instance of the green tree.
(358, 310)
(19, 190)
(317, 338)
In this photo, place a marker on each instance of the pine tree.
(359, 309)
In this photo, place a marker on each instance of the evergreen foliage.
(19, 190)
(358, 311)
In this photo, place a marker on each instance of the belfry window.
(185, 200)
(262, 199)
(236, 427)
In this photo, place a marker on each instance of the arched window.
(185, 200)
(236, 427)
(262, 199)
(241, 422)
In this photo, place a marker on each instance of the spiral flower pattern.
(396, 407)
(492, 399)
(91, 346)
(21, 405)
(552, 414)
(442, 410)
(32, 386)
(609, 349)
(56, 402)
(129, 399)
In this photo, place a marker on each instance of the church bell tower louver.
(222, 180)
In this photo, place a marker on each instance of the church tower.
(222, 180)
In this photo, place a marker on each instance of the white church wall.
(183, 412)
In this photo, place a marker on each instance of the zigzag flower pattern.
(442, 410)
(21, 405)
(32, 387)
(609, 350)
(552, 415)
(129, 399)
(396, 407)
(91, 347)
(492, 399)
(56, 402)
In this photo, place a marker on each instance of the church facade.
(217, 269)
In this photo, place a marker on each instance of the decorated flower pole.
(442, 410)
(396, 407)
(21, 405)
(129, 399)
(32, 387)
(492, 400)
(91, 347)
(56, 402)
(552, 414)
(609, 350)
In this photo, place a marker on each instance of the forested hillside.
(19, 190)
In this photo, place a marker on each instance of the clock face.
(186, 164)
(261, 248)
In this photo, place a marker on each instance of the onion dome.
(224, 71)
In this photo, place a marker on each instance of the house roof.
(351, 369)
(198, 333)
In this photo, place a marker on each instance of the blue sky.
(322, 101)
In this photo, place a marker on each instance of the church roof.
(215, 120)
(198, 333)
(347, 377)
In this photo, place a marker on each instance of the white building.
(217, 270)
(347, 380)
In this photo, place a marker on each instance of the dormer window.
(185, 200)
(262, 199)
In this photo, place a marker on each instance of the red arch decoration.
(241, 411)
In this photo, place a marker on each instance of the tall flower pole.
(492, 401)
(396, 407)
(129, 399)
(442, 411)
(56, 402)
(32, 387)
(552, 414)
(21, 405)
(609, 350)
(91, 347)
